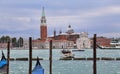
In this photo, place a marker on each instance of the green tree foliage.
(20, 42)
(14, 41)
(4, 39)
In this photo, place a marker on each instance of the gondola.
(3, 64)
(38, 68)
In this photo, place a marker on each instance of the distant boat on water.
(3, 64)
(114, 45)
(38, 69)
(78, 50)
(101, 47)
(67, 53)
(64, 51)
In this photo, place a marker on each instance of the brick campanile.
(43, 27)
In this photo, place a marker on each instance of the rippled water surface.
(66, 67)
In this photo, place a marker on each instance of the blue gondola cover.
(3, 61)
(3, 64)
(38, 68)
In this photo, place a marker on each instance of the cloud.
(110, 35)
(18, 23)
(102, 11)
(89, 16)
(82, 15)
(79, 17)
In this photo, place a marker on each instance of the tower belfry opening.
(43, 26)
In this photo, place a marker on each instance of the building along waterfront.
(61, 40)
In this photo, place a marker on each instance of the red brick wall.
(62, 37)
(103, 41)
(43, 32)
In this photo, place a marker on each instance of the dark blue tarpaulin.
(3, 64)
(3, 61)
(38, 68)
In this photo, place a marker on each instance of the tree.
(14, 42)
(0, 40)
(7, 38)
(20, 42)
(3, 39)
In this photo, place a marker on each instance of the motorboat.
(64, 51)
(38, 69)
(68, 55)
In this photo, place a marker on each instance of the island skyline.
(22, 18)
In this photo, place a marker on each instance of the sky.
(21, 18)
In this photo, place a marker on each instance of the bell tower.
(43, 27)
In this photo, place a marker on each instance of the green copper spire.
(43, 19)
(43, 12)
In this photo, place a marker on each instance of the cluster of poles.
(50, 56)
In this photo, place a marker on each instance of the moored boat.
(64, 51)
(78, 50)
(38, 69)
(102, 47)
(3, 64)
(68, 55)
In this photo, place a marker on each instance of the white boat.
(66, 53)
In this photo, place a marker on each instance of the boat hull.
(3, 64)
(38, 68)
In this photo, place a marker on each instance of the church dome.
(70, 30)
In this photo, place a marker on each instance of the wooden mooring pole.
(94, 55)
(8, 56)
(30, 55)
(50, 56)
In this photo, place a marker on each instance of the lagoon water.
(66, 66)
